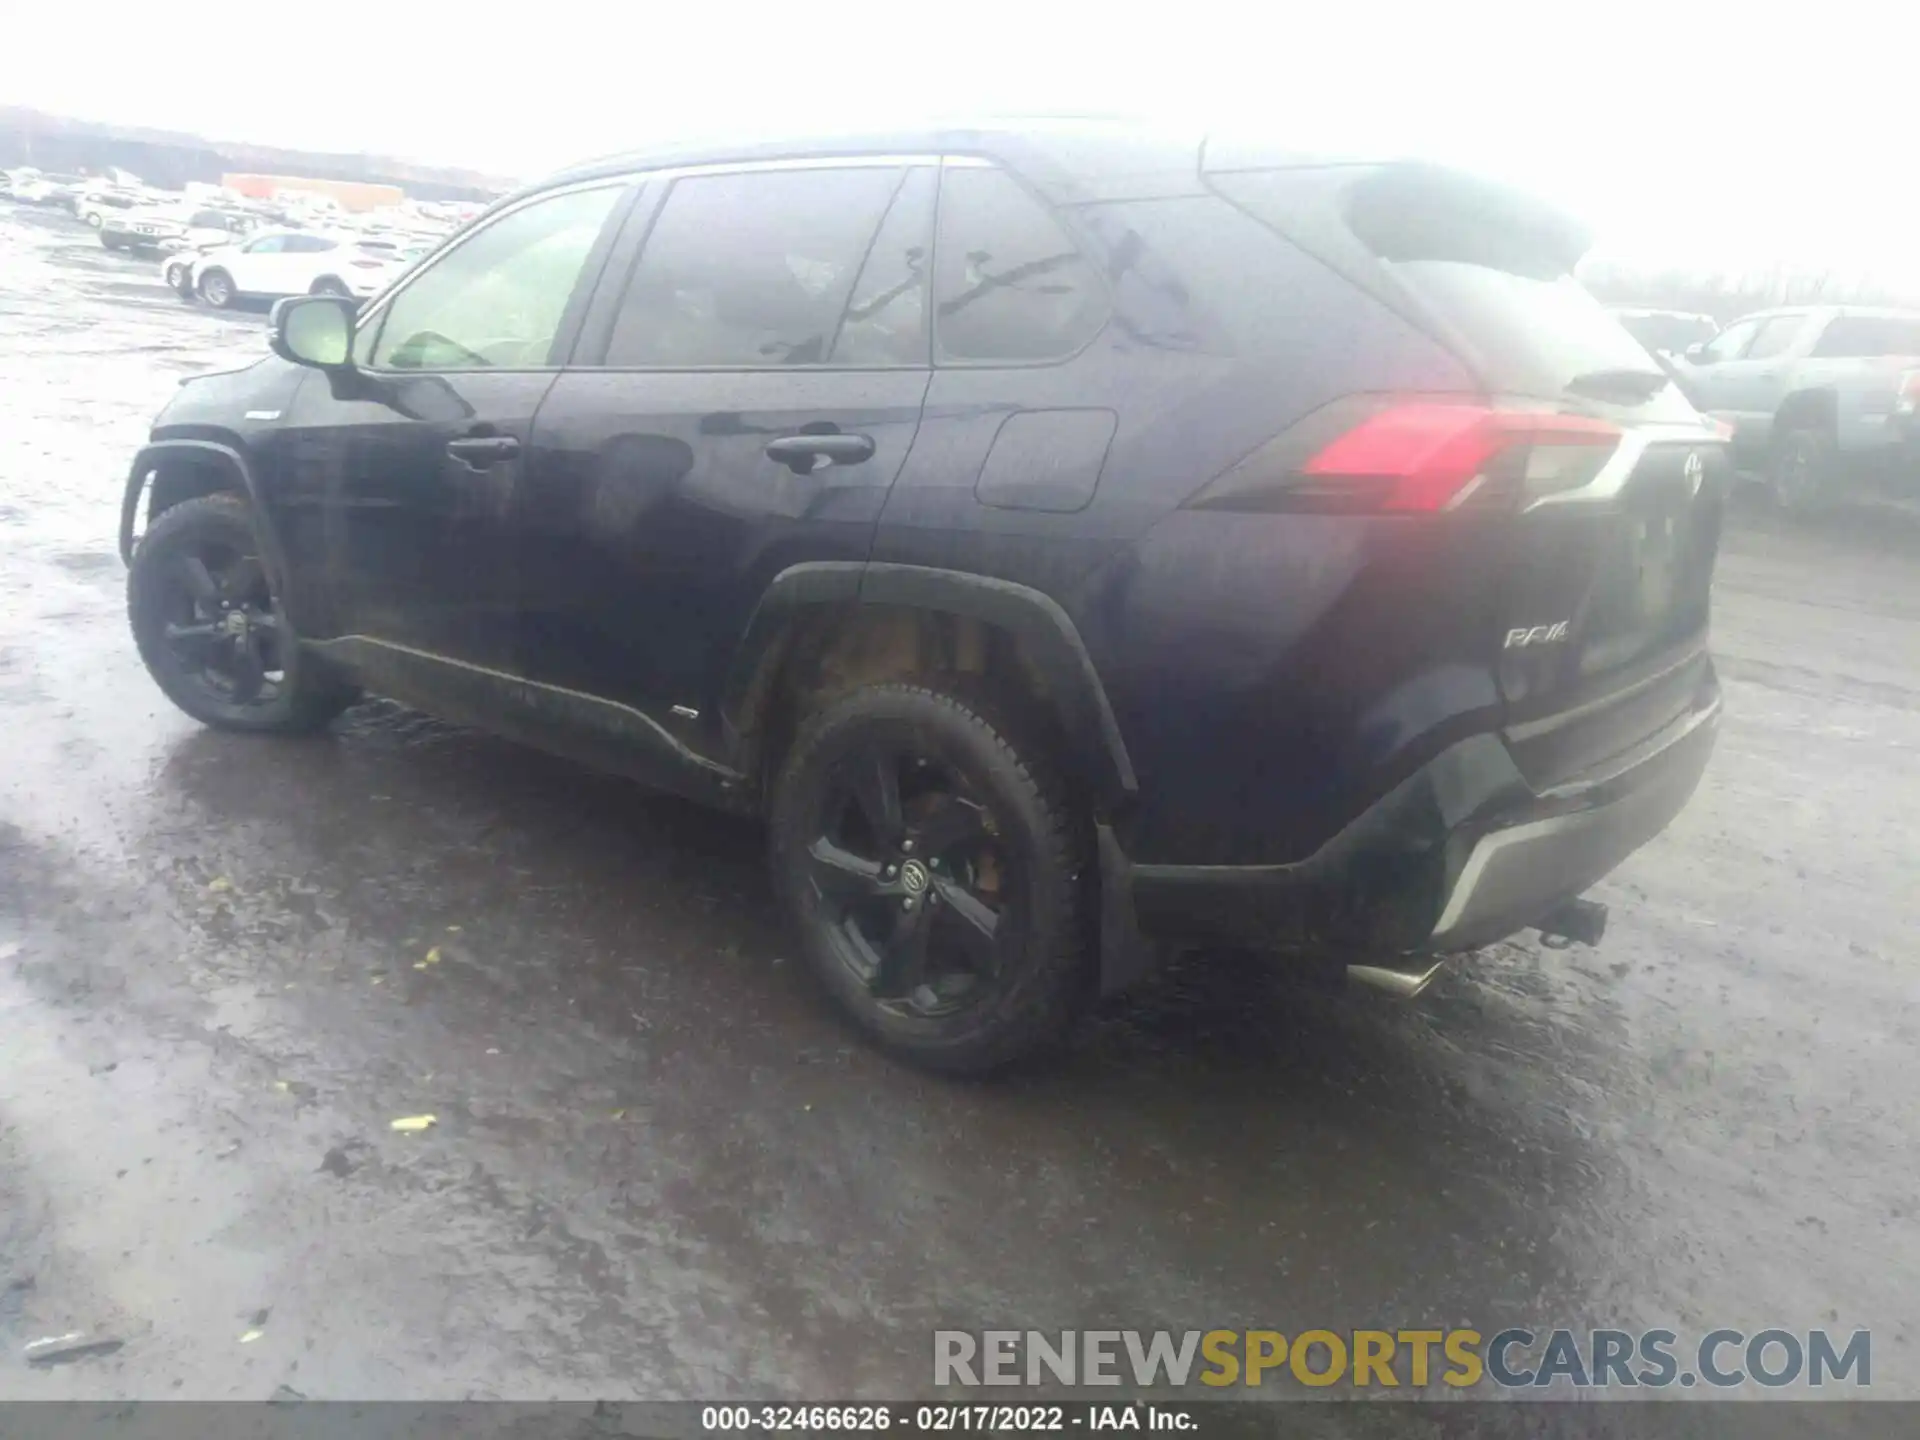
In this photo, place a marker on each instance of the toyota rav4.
(1071, 539)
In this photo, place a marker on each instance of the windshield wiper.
(1632, 386)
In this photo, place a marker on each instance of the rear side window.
(1865, 336)
(1009, 285)
(307, 244)
(1493, 265)
(771, 268)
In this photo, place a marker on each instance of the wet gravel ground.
(661, 1168)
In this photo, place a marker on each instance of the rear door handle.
(480, 452)
(803, 454)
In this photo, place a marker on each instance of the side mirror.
(1697, 353)
(314, 330)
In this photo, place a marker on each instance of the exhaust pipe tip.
(1404, 979)
(1581, 921)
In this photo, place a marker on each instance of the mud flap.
(1126, 956)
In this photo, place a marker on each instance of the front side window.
(1009, 285)
(769, 268)
(1731, 343)
(1776, 337)
(496, 299)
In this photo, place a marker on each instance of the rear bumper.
(1461, 854)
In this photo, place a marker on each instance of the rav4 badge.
(1538, 635)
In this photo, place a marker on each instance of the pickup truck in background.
(1665, 332)
(1821, 398)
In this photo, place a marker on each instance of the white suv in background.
(292, 262)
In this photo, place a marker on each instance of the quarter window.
(768, 268)
(1009, 284)
(496, 299)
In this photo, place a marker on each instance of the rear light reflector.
(1374, 454)
(1426, 457)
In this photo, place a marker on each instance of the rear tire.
(179, 279)
(1802, 469)
(211, 631)
(954, 933)
(331, 285)
(216, 288)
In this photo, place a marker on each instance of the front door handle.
(481, 452)
(803, 454)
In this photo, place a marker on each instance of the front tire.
(216, 288)
(925, 848)
(211, 630)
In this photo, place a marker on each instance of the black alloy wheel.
(936, 870)
(916, 892)
(210, 627)
(220, 626)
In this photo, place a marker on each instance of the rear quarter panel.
(1239, 652)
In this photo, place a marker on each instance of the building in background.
(354, 195)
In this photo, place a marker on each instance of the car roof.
(1070, 159)
(1876, 312)
(1649, 310)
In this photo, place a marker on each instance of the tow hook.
(1578, 921)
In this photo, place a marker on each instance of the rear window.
(1492, 265)
(1863, 336)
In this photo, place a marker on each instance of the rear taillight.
(1906, 398)
(1415, 457)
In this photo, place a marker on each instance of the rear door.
(747, 388)
(301, 260)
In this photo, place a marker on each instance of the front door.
(1750, 388)
(748, 385)
(423, 446)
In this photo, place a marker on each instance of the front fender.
(241, 476)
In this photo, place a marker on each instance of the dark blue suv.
(1072, 538)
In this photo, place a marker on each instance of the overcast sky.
(1696, 133)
